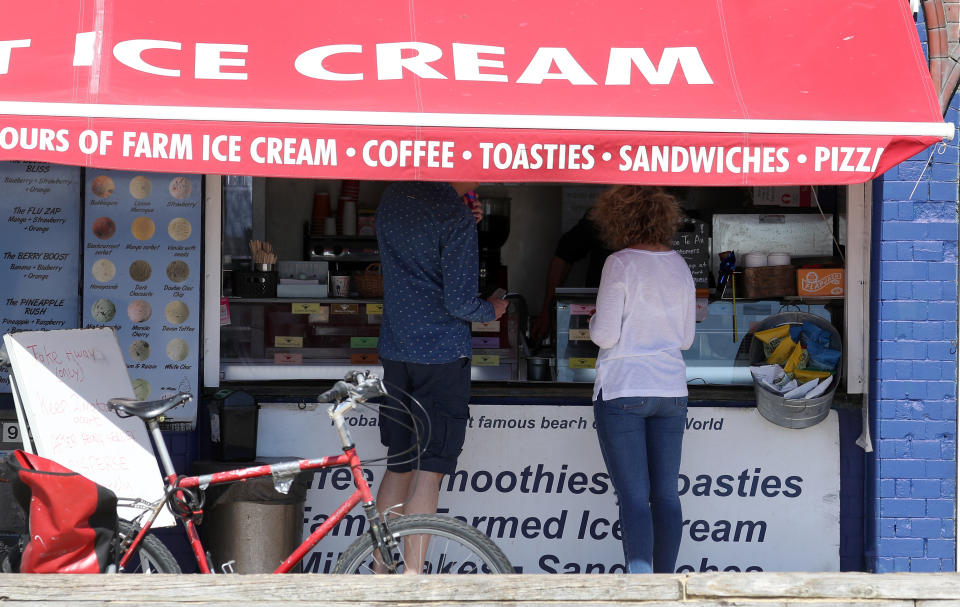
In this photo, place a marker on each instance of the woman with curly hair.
(645, 316)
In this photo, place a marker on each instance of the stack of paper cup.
(330, 226)
(754, 259)
(349, 217)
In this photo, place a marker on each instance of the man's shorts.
(444, 391)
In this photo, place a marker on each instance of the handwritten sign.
(63, 381)
(692, 243)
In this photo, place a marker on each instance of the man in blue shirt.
(427, 237)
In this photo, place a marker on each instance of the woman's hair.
(627, 215)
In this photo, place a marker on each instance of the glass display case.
(280, 338)
(576, 354)
(317, 336)
(718, 355)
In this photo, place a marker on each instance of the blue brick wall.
(911, 474)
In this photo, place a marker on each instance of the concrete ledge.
(690, 590)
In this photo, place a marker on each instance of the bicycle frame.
(281, 472)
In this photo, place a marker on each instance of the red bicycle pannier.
(71, 520)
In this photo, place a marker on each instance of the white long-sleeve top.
(646, 314)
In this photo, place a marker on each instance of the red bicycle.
(426, 543)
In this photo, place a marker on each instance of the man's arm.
(575, 244)
(460, 267)
(556, 275)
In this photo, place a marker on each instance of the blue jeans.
(641, 439)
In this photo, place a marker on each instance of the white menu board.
(39, 245)
(64, 380)
(142, 274)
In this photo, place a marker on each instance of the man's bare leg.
(415, 492)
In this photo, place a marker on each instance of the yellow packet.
(782, 352)
(794, 360)
(805, 375)
(767, 334)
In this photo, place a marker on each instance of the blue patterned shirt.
(428, 251)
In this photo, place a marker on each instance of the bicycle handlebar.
(338, 392)
(356, 385)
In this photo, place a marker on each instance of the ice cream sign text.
(394, 61)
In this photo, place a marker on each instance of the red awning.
(705, 92)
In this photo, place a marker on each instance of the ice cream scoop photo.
(139, 350)
(140, 187)
(178, 271)
(102, 186)
(103, 310)
(176, 312)
(141, 388)
(103, 270)
(140, 270)
(139, 311)
(177, 349)
(179, 229)
(143, 228)
(104, 228)
(180, 187)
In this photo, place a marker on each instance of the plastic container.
(794, 412)
(234, 417)
(778, 259)
(254, 284)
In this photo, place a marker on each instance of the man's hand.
(473, 203)
(499, 306)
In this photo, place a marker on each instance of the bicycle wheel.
(151, 557)
(454, 547)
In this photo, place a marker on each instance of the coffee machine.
(492, 233)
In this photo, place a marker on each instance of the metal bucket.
(794, 412)
(538, 368)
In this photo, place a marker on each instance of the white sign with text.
(756, 497)
(63, 382)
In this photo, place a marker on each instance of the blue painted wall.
(911, 492)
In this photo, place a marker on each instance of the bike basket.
(72, 521)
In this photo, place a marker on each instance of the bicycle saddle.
(147, 409)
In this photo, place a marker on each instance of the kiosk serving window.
(315, 309)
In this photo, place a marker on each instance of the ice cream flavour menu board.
(141, 275)
(40, 206)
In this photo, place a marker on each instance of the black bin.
(233, 426)
(250, 526)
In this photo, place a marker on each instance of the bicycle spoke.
(451, 547)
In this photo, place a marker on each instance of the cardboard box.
(820, 282)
